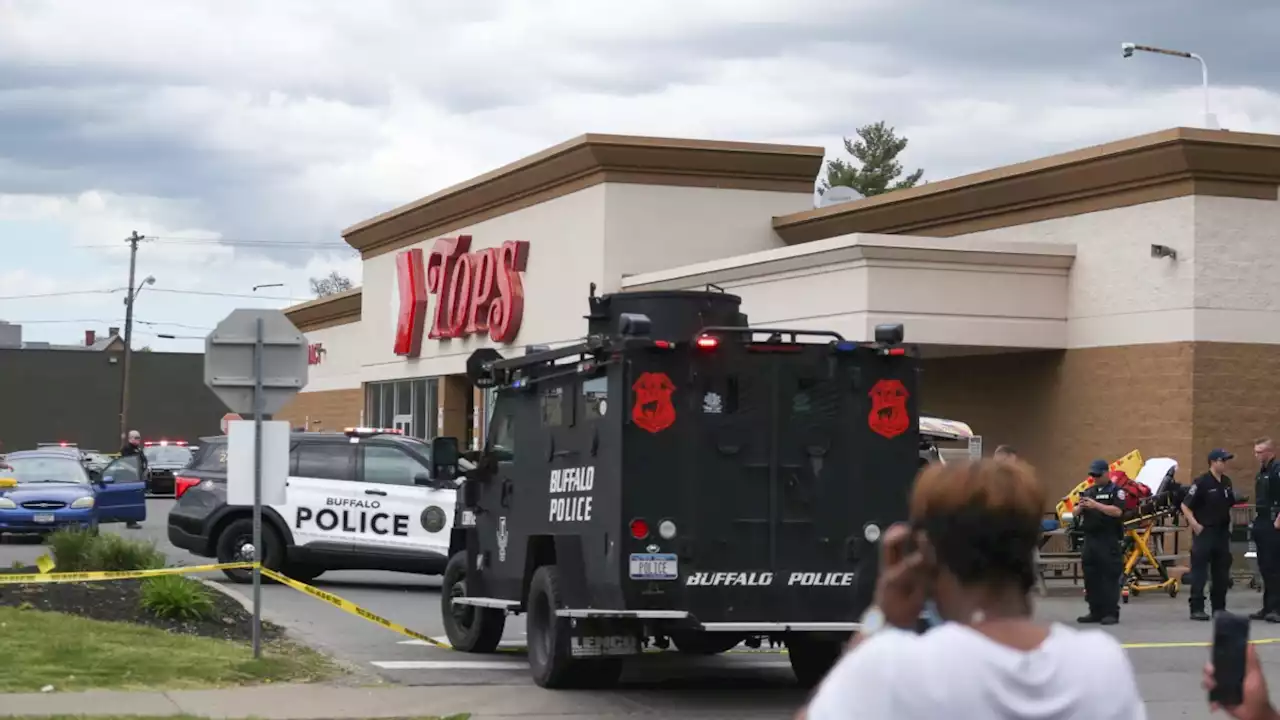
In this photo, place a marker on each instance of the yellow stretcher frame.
(1139, 532)
(1131, 464)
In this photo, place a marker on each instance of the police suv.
(678, 478)
(363, 499)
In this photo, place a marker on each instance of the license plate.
(654, 566)
(42, 517)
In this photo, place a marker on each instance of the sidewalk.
(323, 702)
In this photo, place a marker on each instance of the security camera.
(1128, 48)
(1163, 251)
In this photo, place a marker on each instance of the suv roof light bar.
(779, 332)
(368, 431)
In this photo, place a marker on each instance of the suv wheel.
(235, 544)
(470, 629)
(812, 656)
(550, 658)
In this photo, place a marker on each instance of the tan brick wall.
(1062, 409)
(325, 409)
(1237, 398)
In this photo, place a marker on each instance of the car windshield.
(31, 470)
(168, 455)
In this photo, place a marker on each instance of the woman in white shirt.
(970, 545)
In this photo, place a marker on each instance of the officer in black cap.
(1101, 508)
(1207, 508)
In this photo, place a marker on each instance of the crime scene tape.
(353, 609)
(75, 577)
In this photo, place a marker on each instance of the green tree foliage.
(877, 169)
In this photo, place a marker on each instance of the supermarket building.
(1082, 305)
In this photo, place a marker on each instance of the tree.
(876, 151)
(333, 283)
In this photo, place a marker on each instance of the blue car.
(42, 491)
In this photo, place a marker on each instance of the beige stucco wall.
(654, 227)
(947, 292)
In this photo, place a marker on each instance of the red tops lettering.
(476, 292)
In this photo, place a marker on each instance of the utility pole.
(128, 334)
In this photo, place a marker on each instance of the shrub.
(176, 598)
(115, 553)
(72, 549)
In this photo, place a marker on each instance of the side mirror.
(422, 479)
(95, 475)
(444, 456)
(106, 479)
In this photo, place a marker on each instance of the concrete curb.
(359, 676)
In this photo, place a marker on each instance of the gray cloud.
(186, 116)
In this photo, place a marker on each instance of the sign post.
(255, 361)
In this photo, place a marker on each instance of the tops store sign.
(476, 293)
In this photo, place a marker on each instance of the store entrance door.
(403, 423)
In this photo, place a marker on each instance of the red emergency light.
(707, 342)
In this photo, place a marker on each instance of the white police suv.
(363, 499)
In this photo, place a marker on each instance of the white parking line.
(450, 665)
(444, 640)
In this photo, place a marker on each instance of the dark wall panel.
(74, 396)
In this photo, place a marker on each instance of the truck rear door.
(799, 448)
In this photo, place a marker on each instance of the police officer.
(1207, 508)
(1266, 535)
(1101, 508)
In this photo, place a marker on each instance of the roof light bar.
(364, 431)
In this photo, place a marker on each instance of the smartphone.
(1230, 643)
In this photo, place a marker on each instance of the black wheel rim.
(242, 549)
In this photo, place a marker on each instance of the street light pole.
(1210, 122)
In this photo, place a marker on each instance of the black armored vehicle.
(679, 478)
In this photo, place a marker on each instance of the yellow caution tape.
(75, 577)
(352, 608)
(45, 564)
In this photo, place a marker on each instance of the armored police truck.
(678, 477)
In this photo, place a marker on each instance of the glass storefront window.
(410, 405)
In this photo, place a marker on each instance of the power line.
(100, 321)
(60, 294)
(222, 294)
(228, 242)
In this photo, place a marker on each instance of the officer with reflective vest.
(1266, 536)
(1101, 509)
(1207, 509)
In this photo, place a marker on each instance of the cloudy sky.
(244, 135)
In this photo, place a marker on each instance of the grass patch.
(73, 653)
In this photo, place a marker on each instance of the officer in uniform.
(1101, 508)
(1207, 508)
(1266, 536)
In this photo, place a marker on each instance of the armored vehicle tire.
(470, 629)
(812, 656)
(235, 543)
(550, 658)
(693, 642)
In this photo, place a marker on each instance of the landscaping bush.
(177, 598)
(114, 553)
(72, 549)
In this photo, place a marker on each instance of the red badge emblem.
(889, 408)
(653, 410)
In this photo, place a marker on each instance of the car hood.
(166, 466)
(50, 491)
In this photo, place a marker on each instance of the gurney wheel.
(1173, 589)
(1124, 597)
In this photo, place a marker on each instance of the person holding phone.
(973, 531)
(1101, 509)
(1256, 700)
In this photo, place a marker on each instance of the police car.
(363, 499)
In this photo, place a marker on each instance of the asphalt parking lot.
(1166, 648)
